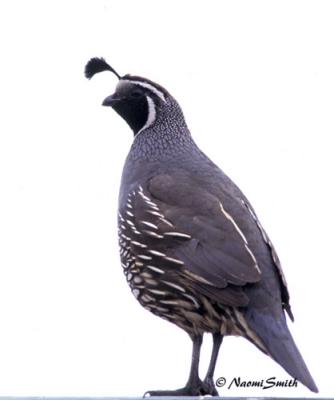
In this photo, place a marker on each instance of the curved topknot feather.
(96, 65)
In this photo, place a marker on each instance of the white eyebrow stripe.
(147, 86)
(151, 115)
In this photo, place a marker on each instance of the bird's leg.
(194, 386)
(193, 379)
(208, 384)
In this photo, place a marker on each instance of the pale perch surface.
(161, 398)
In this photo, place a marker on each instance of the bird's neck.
(166, 138)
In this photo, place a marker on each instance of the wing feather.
(217, 250)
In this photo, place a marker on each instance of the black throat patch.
(133, 111)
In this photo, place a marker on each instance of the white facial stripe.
(147, 86)
(151, 114)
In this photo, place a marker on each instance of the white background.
(256, 83)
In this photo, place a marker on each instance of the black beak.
(110, 100)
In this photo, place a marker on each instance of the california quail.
(191, 245)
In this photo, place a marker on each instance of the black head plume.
(96, 65)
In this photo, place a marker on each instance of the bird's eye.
(136, 93)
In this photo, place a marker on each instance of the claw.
(202, 389)
(209, 387)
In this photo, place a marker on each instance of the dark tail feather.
(280, 345)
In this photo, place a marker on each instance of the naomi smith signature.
(267, 383)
